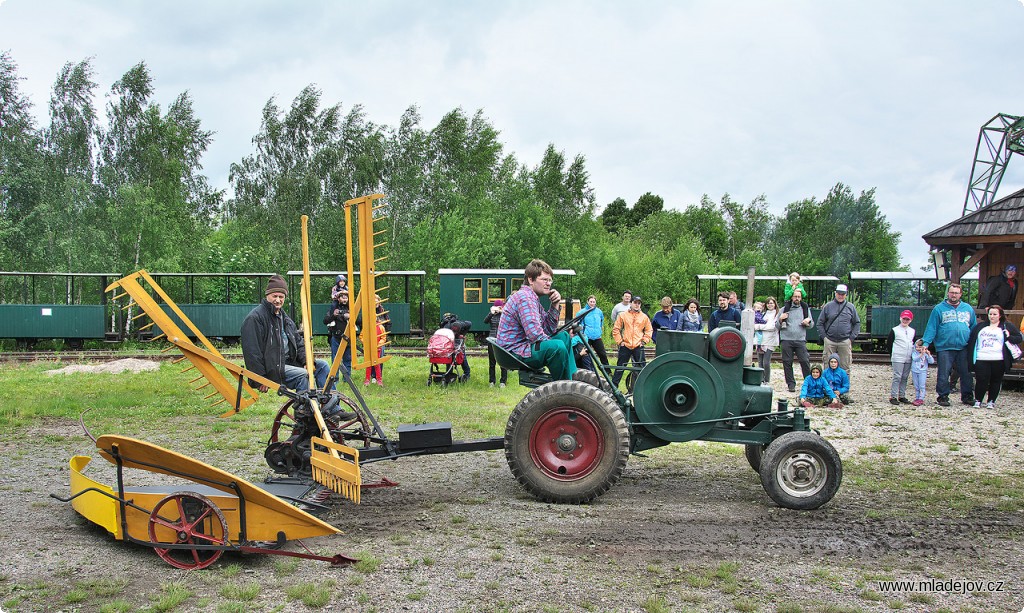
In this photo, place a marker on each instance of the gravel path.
(686, 528)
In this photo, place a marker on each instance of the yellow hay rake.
(334, 465)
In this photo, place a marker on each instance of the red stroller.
(446, 351)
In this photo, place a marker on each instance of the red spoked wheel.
(566, 444)
(356, 427)
(187, 518)
(285, 418)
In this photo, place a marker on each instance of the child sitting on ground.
(919, 371)
(816, 391)
(838, 379)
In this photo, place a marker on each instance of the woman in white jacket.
(770, 337)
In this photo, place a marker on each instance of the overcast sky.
(745, 97)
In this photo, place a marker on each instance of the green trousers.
(556, 354)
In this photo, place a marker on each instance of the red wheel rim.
(188, 519)
(566, 444)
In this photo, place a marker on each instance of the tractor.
(568, 441)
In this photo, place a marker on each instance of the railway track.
(102, 355)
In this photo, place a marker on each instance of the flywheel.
(674, 392)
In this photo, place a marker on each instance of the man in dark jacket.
(723, 313)
(1000, 289)
(271, 345)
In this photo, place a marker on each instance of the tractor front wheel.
(801, 470)
(567, 442)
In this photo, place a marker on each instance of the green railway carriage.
(470, 292)
(74, 307)
(49, 305)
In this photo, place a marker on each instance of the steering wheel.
(572, 322)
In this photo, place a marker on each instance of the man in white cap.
(838, 326)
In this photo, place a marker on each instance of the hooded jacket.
(837, 378)
(949, 326)
(816, 388)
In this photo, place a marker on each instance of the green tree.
(565, 190)
(645, 206)
(841, 233)
(68, 225)
(615, 216)
(283, 179)
(708, 224)
(22, 173)
(157, 202)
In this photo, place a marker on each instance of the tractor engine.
(696, 380)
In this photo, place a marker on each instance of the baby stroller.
(446, 351)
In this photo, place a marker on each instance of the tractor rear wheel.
(567, 442)
(801, 470)
(754, 453)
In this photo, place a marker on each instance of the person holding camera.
(336, 320)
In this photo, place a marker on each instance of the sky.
(679, 98)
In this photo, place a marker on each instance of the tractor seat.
(528, 377)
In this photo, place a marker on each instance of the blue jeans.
(625, 355)
(945, 360)
(297, 379)
(346, 360)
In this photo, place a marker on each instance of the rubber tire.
(591, 378)
(795, 450)
(599, 409)
(754, 453)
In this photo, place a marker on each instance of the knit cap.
(277, 284)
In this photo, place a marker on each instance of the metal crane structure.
(999, 138)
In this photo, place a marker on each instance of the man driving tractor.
(526, 329)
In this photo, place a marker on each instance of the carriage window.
(472, 290)
(495, 289)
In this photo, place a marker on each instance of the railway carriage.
(470, 292)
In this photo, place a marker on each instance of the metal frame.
(998, 140)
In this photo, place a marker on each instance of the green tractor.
(568, 441)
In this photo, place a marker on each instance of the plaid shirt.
(523, 322)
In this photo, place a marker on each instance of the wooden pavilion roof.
(1002, 220)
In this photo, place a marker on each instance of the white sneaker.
(991, 405)
(977, 404)
(492, 384)
(502, 385)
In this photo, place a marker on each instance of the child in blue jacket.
(817, 392)
(838, 379)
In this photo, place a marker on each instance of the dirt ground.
(687, 528)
